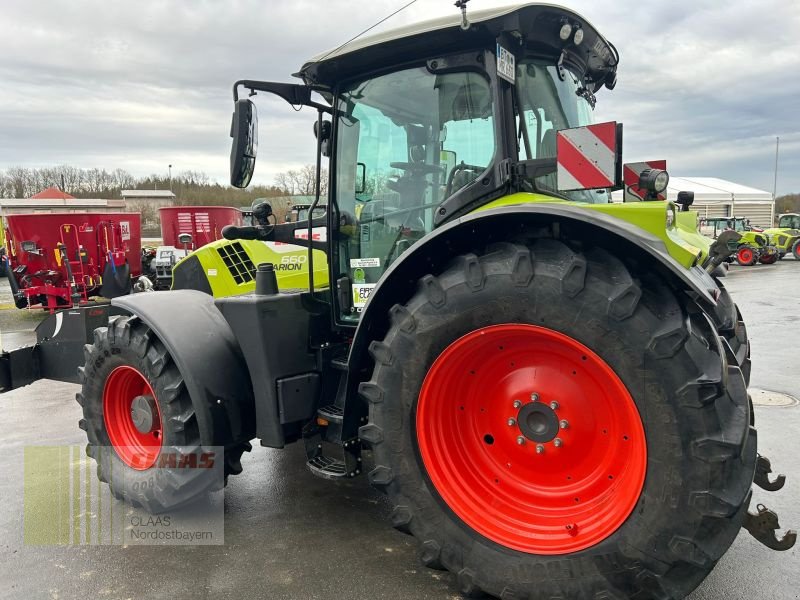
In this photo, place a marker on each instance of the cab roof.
(536, 24)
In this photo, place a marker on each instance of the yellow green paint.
(649, 216)
(223, 284)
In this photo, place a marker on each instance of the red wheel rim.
(139, 450)
(745, 255)
(537, 497)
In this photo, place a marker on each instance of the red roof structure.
(52, 193)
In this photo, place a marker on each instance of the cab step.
(339, 363)
(327, 467)
(331, 413)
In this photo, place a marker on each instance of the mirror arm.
(285, 232)
(317, 186)
(293, 93)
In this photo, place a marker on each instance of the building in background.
(147, 203)
(53, 200)
(156, 198)
(52, 193)
(715, 197)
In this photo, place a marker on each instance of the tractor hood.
(536, 26)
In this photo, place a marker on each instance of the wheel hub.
(538, 422)
(144, 413)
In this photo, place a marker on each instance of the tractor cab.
(789, 221)
(716, 225)
(424, 125)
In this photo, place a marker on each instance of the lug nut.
(563, 424)
(534, 397)
(539, 449)
(512, 421)
(517, 403)
(554, 405)
(557, 442)
(520, 440)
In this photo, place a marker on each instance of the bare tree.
(18, 182)
(302, 182)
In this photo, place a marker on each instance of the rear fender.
(433, 253)
(208, 356)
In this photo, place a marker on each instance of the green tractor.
(786, 236)
(550, 388)
(754, 245)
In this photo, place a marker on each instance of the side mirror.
(244, 131)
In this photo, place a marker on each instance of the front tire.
(140, 422)
(746, 256)
(442, 442)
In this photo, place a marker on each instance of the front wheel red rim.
(531, 439)
(745, 255)
(137, 446)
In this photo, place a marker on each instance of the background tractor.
(786, 236)
(753, 246)
(551, 389)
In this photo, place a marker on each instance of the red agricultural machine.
(183, 230)
(63, 259)
(203, 223)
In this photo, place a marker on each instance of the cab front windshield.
(407, 140)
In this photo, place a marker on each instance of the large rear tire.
(626, 362)
(796, 250)
(127, 367)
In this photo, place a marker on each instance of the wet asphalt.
(290, 535)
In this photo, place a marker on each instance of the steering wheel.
(418, 168)
(458, 169)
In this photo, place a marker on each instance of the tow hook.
(763, 525)
(761, 479)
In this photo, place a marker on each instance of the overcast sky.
(706, 84)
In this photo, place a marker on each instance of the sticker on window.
(125, 230)
(506, 64)
(361, 292)
(364, 262)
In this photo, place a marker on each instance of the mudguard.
(208, 356)
(431, 254)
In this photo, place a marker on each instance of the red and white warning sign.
(631, 173)
(587, 157)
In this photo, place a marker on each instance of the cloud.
(140, 85)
